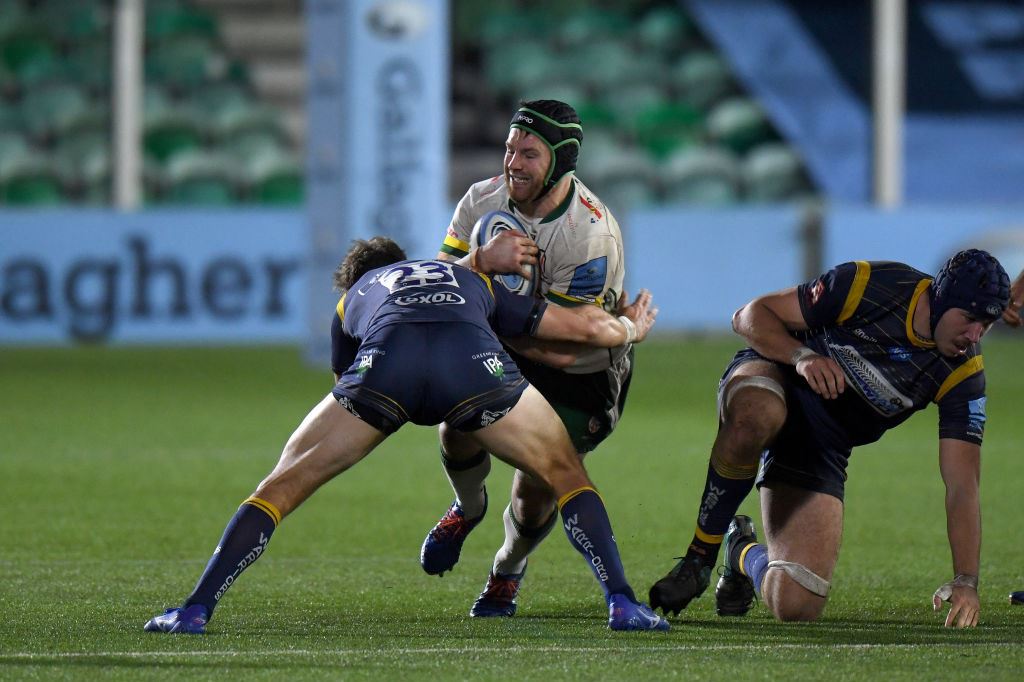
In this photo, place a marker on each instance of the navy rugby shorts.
(811, 451)
(430, 372)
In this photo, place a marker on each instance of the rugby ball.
(485, 230)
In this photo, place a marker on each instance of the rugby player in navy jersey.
(416, 340)
(833, 364)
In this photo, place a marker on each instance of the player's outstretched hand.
(823, 374)
(507, 253)
(964, 604)
(641, 312)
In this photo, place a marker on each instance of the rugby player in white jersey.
(575, 242)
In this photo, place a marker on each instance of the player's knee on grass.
(788, 600)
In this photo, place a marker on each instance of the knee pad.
(803, 576)
(764, 383)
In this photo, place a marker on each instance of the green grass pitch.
(119, 469)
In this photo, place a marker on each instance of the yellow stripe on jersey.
(455, 244)
(341, 307)
(911, 309)
(968, 369)
(860, 282)
(263, 505)
(487, 281)
(710, 539)
(566, 498)
(565, 299)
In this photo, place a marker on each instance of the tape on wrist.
(964, 580)
(630, 328)
(472, 261)
(801, 353)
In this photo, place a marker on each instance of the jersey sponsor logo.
(898, 354)
(814, 293)
(861, 334)
(588, 279)
(976, 417)
(439, 298)
(488, 417)
(590, 207)
(869, 382)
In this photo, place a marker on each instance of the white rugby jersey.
(581, 258)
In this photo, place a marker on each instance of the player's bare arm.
(960, 466)
(595, 327)
(766, 323)
(563, 354)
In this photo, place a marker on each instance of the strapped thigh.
(803, 576)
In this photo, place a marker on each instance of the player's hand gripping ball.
(488, 227)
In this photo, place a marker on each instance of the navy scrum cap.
(972, 280)
(558, 125)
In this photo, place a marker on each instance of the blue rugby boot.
(443, 544)
(626, 614)
(734, 594)
(188, 621)
(498, 597)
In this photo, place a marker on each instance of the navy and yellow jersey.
(581, 256)
(860, 314)
(423, 291)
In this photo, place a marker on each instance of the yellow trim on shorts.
(454, 243)
(968, 369)
(735, 473)
(273, 512)
(566, 498)
(341, 307)
(856, 293)
(743, 556)
(915, 300)
(709, 539)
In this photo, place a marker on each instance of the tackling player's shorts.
(807, 453)
(428, 373)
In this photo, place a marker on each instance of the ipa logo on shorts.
(494, 366)
(365, 363)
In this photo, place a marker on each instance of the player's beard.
(524, 193)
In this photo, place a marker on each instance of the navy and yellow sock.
(725, 489)
(752, 560)
(586, 523)
(243, 542)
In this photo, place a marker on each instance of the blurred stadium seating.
(211, 135)
(664, 118)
